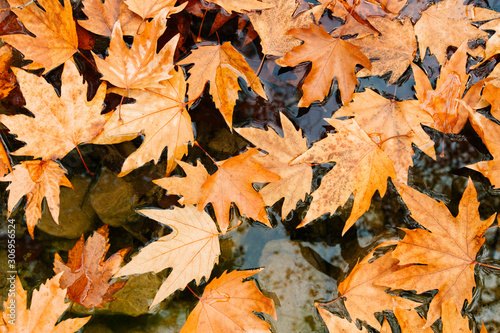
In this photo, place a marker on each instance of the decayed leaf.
(86, 274)
(331, 58)
(443, 103)
(233, 183)
(443, 258)
(56, 40)
(147, 9)
(227, 305)
(103, 16)
(453, 322)
(241, 6)
(396, 125)
(296, 179)
(489, 132)
(336, 324)
(448, 23)
(362, 297)
(139, 67)
(191, 249)
(47, 305)
(7, 78)
(5, 165)
(221, 65)
(160, 115)
(36, 179)
(362, 168)
(273, 24)
(60, 123)
(393, 50)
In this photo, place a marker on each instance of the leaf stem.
(331, 302)
(258, 70)
(485, 265)
(83, 161)
(197, 144)
(193, 292)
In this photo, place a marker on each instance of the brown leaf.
(336, 324)
(453, 322)
(47, 305)
(36, 179)
(60, 123)
(147, 9)
(228, 305)
(191, 249)
(233, 183)
(7, 78)
(443, 258)
(331, 58)
(362, 168)
(221, 65)
(56, 40)
(86, 274)
(5, 165)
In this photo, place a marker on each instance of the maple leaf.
(47, 305)
(409, 322)
(489, 132)
(240, 6)
(233, 183)
(221, 65)
(393, 50)
(493, 42)
(139, 66)
(443, 258)
(228, 304)
(453, 322)
(147, 9)
(336, 324)
(490, 94)
(7, 79)
(191, 249)
(86, 274)
(160, 115)
(273, 24)
(396, 125)
(103, 16)
(5, 165)
(56, 39)
(36, 180)
(331, 58)
(443, 103)
(361, 168)
(362, 297)
(60, 123)
(448, 23)
(296, 179)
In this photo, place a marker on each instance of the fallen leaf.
(410, 322)
(233, 183)
(331, 58)
(5, 165)
(295, 180)
(147, 9)
(191, 249)
(273, 24)
(493, 42)
(336, 324)
(60, 123)
(449, 23)
(86, 275)
(490, 93)
(103, 16)
(395, 125)
(47, 305)
(228, 305)
(160, 115)
(361, 168)
(56, 40)
(453, 322)
(139, 67)
(442, 258)
(221, 65)
(36, 179)
(392, 51)
(240, 6)
(7, 78)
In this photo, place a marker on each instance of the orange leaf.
(147, 9)
(336, 324)
(227, 305)
(5, 165)
(453, 322)
(103, 16)
(241, 6)
(86, 275)
(7, 78)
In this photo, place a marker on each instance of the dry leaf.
(47, 305)
(336, 324)
(228, 305)
(151, 8)
(240, 6)
(362, 168)
(453, 322)
(86, 274)
(295, 180)
(443, 258)
(331, 58)
(410, 322)
(56, 40)
(7, 78)
(395, 125)
(160, 115)
(139, 66)
(36, 180)
(493, 43)
(5, 165)
(233, 183)
(191, 249)
(60, 123)
(221, 65)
